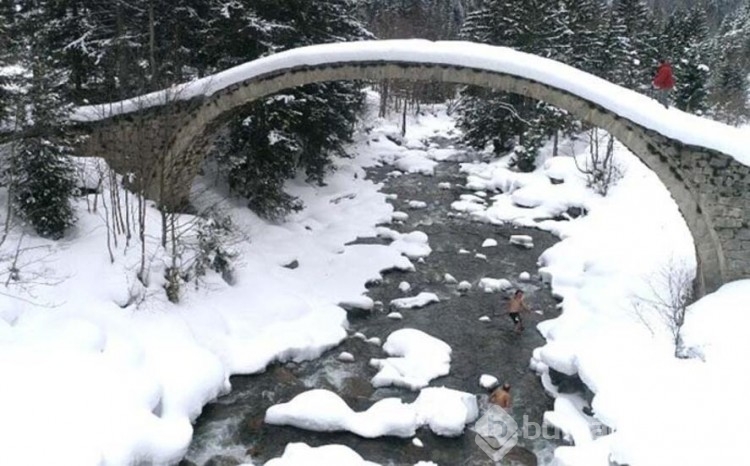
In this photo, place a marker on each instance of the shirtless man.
(501, 397)
(515, 306)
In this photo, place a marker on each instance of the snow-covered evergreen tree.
(730, 57)
(684, 40)
(504, 119)
(42, 182)
(306, 126)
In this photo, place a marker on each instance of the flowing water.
(231, 430)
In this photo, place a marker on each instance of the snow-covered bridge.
(162, 137)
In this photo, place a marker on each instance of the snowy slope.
(98, 369)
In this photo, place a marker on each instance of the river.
(231, 430)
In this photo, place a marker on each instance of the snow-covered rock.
(417, 205)
(300, 454)
(489, 243)
(484, 319)
(464, 286)
(413, 245)
(374, 341)
(463, 251)
(400, 216)
(395, 316)
(449, 279)
(480, 256)
(421, 300)
(345, 357)
(444, 185)
(487, 381)
(524, 276)
(417, 443)
(416, 359)
(404, 287)
(493, 285)
(525, 241)
(445, 411)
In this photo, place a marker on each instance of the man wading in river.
(501, 397)
(515, 306)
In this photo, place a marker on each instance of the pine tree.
(730, 63)
(638, 27)
(500, 118)
(43, 178)
(684, 41)
(306, 126)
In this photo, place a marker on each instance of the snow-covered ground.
(102, 370)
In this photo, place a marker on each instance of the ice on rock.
(363, 302)
(413, 245)
(345, 357)
(493, 285)
(471, 198)
(467, 206)
(400, 216)
(395, 316)
(450, 279)
(464, 286)
(404, 287)
(489, 243)
(298, 454)
(416, 161)
(525, 241)
(416, 358)
(524, 276)
(417, 205)
(487, 381)
(421, 300)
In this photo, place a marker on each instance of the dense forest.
(61, 53)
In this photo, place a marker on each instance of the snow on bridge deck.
(642, 110)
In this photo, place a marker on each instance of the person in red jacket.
(663, 82)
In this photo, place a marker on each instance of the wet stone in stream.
(233, 425)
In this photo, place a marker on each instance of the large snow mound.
(416, 359)
(445, 411)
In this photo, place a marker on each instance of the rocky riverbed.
(231, 430)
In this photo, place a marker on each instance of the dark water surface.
(232, 430)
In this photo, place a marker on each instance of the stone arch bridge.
(162, 137)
